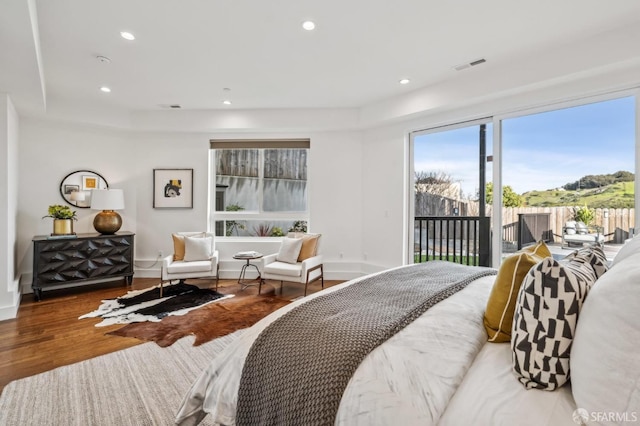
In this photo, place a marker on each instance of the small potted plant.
(63, 218)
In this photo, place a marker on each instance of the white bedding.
(408, 380)
(491, 395)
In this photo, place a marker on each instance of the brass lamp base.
(107, 222)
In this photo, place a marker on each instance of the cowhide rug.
(206, 323)
(147, 305)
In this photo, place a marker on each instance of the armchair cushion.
(289, 250)
(181, 267)
(196, 249)
(570, 227)
(582, 228)
(282, 268)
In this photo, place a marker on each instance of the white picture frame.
(172, 188)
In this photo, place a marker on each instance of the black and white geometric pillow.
(592, 255)
(545, 319)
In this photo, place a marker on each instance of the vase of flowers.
(63, 218)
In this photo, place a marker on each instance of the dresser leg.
(128, 279)
(37, 293)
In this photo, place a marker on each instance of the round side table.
(248, 257)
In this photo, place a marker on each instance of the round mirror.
(76, 187)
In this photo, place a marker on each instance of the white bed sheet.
(490, 394)
(408, 380)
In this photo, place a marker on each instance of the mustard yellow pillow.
(498, 317)
(309, 246)
(178, 247)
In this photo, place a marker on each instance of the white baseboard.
(11, 311)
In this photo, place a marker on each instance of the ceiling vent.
(470, 64)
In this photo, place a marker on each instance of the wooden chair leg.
(217, 276)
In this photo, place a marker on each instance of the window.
(260, 187)
(562, 161)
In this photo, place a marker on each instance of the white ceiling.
(187, 51)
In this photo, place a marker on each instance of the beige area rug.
(142, 385)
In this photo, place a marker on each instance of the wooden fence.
(615, 223)
(278, 163)
(427, 204)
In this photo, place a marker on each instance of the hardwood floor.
(48, 334)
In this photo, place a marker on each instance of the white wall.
(384, 197)
(9, 277)
(127, 159)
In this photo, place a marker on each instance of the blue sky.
(540, 151)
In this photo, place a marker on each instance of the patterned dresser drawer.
(88, 257)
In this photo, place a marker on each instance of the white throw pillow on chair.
(197, 248)
(289, 250)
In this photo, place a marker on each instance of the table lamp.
(108, 221)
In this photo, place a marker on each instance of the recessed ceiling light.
(105, 89)
(309, 25)
(404, 81)
(226, 102)
(127, 35)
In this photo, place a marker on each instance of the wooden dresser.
(89, 258)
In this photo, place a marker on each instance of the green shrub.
(584, 214)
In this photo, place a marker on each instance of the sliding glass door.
(568, 166)
(451, 170)
(563, 175)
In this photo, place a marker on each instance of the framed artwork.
(89, 182)
(172, 188)
(68, 189)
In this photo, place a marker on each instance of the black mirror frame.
(63, 195)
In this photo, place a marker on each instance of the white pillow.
(197, 248)
(605, 360)
(629, 248)
(289, 250)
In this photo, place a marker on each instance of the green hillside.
(617, 195)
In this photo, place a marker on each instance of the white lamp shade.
(77, 196)
(107, 199)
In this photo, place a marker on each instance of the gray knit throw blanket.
(299, 366)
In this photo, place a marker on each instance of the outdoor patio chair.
(578, 233)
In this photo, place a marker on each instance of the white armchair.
(194, 256)
(303, 266)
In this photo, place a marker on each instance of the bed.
(440, 368)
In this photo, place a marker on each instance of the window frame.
(255, 215)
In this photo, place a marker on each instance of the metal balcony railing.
(458, 239)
